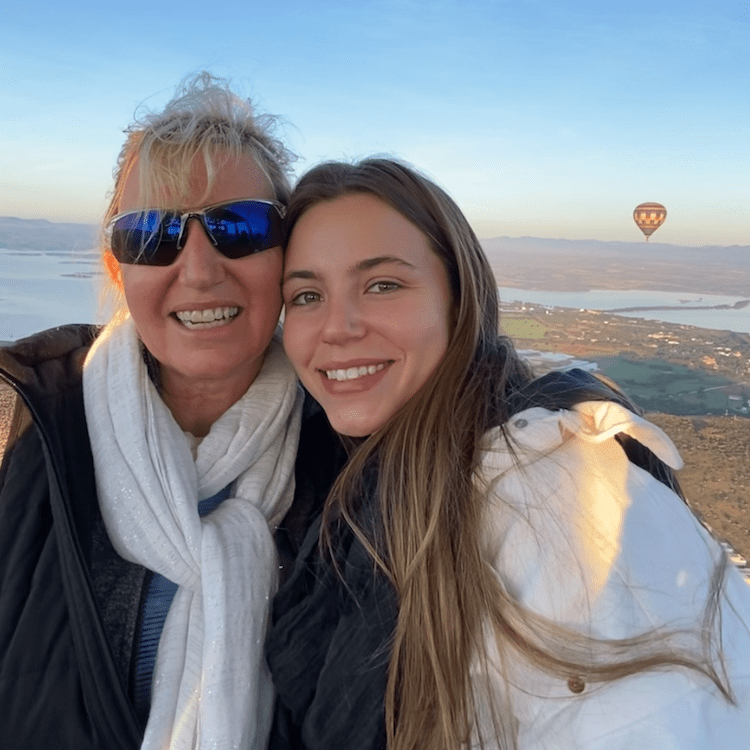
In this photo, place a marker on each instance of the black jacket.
(68, 601)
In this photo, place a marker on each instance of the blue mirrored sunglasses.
(155, 237)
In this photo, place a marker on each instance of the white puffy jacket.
(597, 544)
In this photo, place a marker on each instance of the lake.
(608, 299)
(40, 290)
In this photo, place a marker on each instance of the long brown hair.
(431, 502)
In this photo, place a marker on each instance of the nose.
(201, 265)
(343, 320)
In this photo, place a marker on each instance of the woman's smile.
(206, 318)
(353, 373)
(354, 380)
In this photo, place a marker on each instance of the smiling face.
(368, 306)
(239, 301)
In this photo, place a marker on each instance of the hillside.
(40, 235)
(579, 265)
(716, 476)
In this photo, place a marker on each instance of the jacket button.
(520, 423)
(576, 684)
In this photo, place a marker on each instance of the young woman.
(149, 462)
(504, 562)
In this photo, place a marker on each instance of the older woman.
(149, 462)
(505, 561)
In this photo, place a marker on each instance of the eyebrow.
(363, 265)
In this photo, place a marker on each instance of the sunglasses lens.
(244, 227)
(147, 238)
(239, 229)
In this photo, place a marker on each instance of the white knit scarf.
(211, 685)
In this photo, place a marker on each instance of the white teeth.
(195, 318)
(353, 373)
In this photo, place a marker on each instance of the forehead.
(232, 178)
(353, 225)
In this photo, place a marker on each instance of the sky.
(541, 118)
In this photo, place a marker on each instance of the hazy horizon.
(637, 243)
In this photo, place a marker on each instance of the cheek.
(294, 341)
(431, 338)
(140, 286)
(263, 279)
(430, 330)
(432, 355)
(267, 300)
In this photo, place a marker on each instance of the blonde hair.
(430, 505)
(204, 120)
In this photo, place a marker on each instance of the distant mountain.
(42, 235)
(597, 248)
(578, 265)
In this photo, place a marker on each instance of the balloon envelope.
(649, 217)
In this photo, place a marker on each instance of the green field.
(522, 327)
(656, 385)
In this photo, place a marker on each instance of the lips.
(353, 377)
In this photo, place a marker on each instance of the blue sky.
(541, 117)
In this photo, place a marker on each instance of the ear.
(113, 268)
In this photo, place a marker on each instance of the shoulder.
(539, 430)
(573, 527)
(43, 375)
(556, 460)
(579, 534)
(42, 360)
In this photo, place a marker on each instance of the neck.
(195, 406)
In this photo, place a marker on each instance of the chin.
(356, 426)
(350, 429)
(353, 432)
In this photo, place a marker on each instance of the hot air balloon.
(649, 217)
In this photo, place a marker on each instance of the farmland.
(674, 369)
